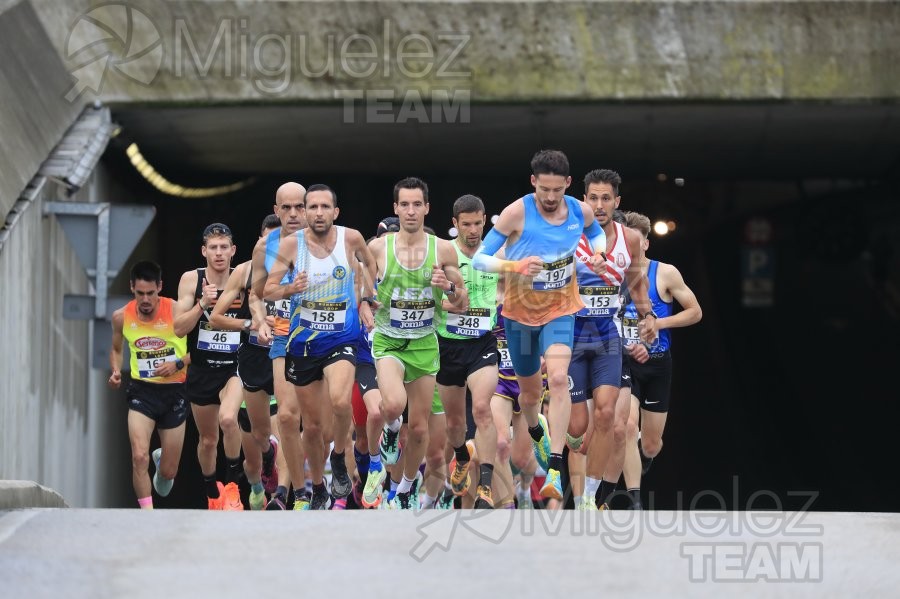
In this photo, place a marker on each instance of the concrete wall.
(33, 111)
(43, 359)
(498, 51)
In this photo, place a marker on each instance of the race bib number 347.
(412, 314)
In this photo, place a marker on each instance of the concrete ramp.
(129, 553)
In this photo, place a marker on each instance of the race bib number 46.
(220, 341)
(554, 275)
(475, 322)
(323, 316)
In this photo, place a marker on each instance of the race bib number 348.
(475, 322)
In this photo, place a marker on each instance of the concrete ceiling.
(711, 141)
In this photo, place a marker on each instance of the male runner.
(541, 231)
(254, 371)
(324, 331)
(415, 271)
(212, 385)
(155, 392)
(652, 376)
(596, 366)
(469, 356)
(290, 208)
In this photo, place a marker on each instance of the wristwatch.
(650, 313)
(452, 290)
(369, 300)
(179, 364)
(247, 324)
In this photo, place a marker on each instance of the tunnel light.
(660, 227)
(167, 187)
(670, 225)
(453, 232)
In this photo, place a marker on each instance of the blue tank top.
(282, 308)
(325, 315)
(548, 242)
(662, 309)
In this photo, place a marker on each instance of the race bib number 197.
(554, 275)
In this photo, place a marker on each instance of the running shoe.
(162, 486)
(270, 469)
(232, 502)
(542, 447)
(552, 488)
(218, 503)
(341, 485)
(371, 495)
(389, 444)
(257, 500)
(483, 498)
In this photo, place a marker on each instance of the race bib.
(505, 360)
(149, 361)
(283, 309)
(475, 322)
(630, 330)
(210, 339)
(253, 339)
(411, 314)
(599, 301)
(323, 316)
(554, 275)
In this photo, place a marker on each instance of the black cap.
(217, 229)
(390, 224)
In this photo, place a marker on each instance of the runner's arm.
(187, 309)
(232, 291)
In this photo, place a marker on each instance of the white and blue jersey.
(662, 309)
(600, 293)
(325, 315)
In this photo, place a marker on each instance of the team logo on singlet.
(149, 343)
(426, 274)
(620, 260)
(339, 272)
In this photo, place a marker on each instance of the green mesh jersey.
(408, 301)
(481, 316)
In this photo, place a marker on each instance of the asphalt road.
(74, 553)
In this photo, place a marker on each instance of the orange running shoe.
(217, 503)
(232, 496)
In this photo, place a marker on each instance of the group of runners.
(409, 371)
